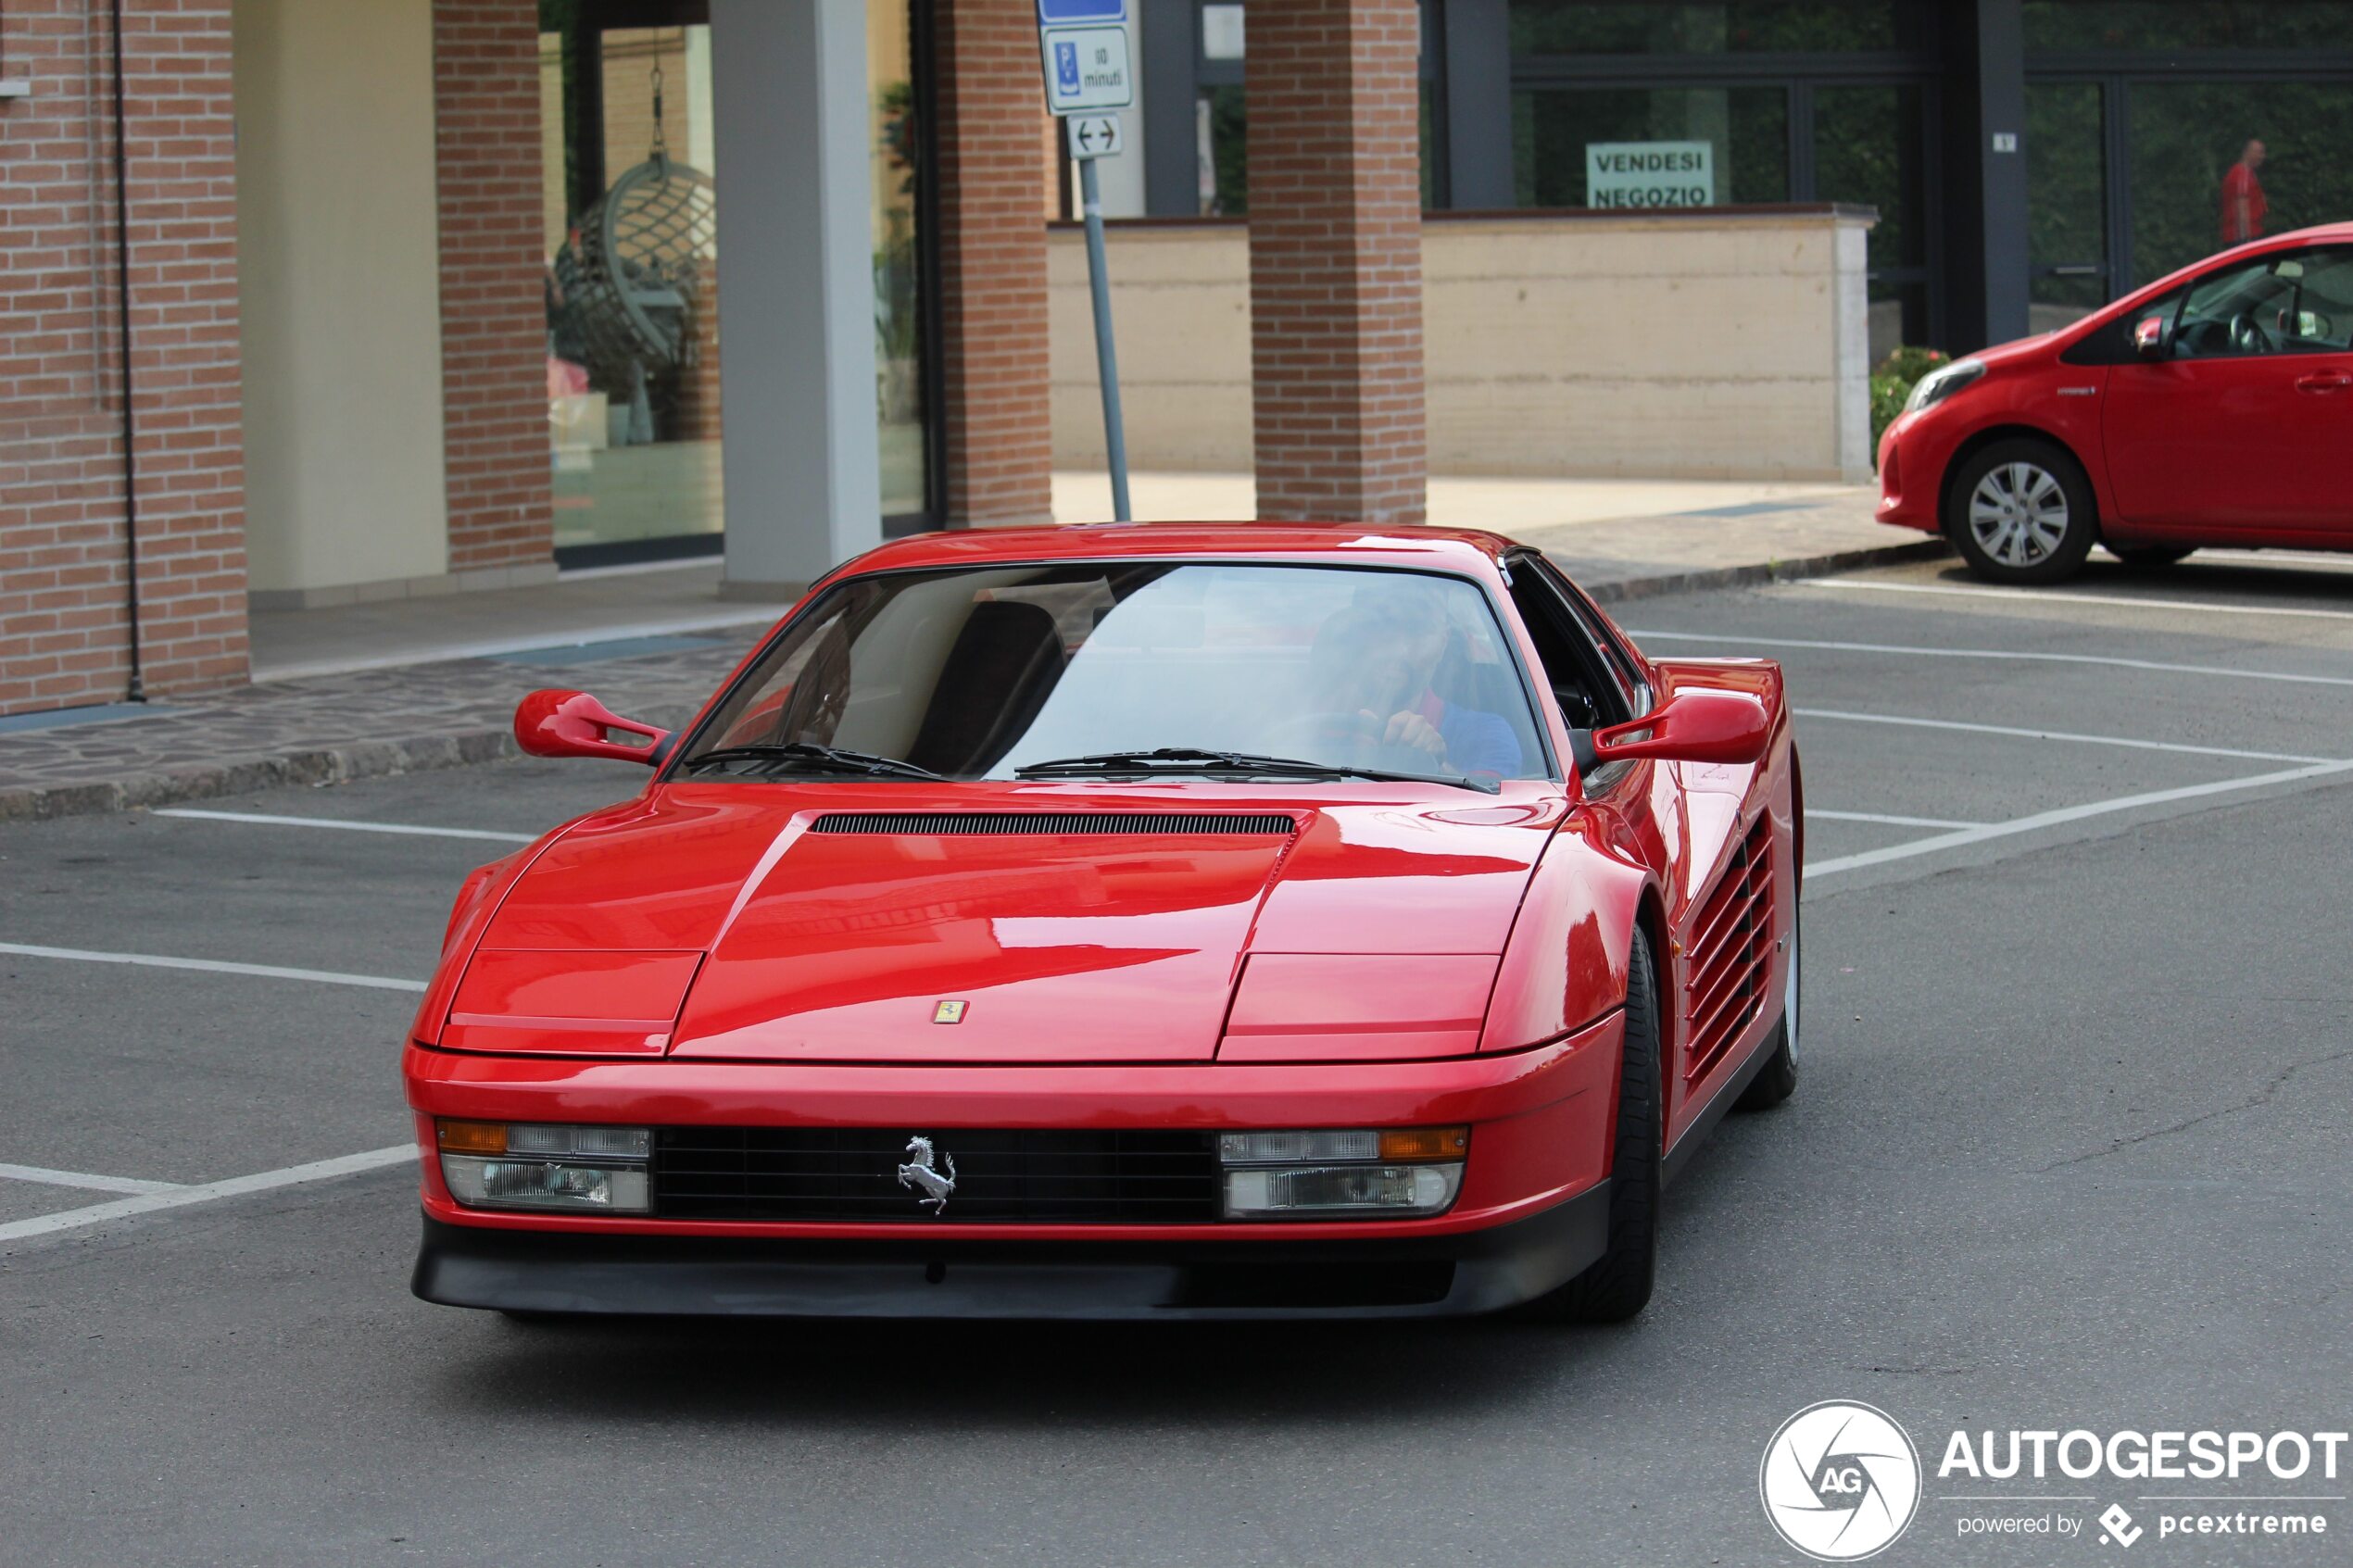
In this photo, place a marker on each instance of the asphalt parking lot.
(2070, 1148)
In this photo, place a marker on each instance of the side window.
(1633, 688)
(2322, 319)
(2298, 303)
(1590, 692)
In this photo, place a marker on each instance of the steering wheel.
(1353, 738)
(2248, 335)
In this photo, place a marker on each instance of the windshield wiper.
(790, 753)
(1195, 759)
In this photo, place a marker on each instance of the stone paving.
(452, 712)
(330, 728)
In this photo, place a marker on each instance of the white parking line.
(210, 1192)
(344, 824)
(213, 966)
(2066, 814)
(1736, 642)
(1814, 811)
(2053, 596)
(47, 1177)
(2055, 734)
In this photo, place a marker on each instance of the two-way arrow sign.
(1092, 135)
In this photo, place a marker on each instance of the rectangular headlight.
(1307, 1191)
(1326, 1172)
(531, 1165)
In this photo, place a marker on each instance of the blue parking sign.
(1063, 13)
(1066, 65)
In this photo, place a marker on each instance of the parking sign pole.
(1106, 355)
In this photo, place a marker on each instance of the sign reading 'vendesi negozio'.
(1642, 174)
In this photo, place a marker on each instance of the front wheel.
(2021, 512)
(1617, 1285)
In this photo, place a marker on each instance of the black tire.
(2148, 557)
(2021, 512)
(1617, 1285)
(1776, 1079)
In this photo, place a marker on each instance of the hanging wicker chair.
(633, 271)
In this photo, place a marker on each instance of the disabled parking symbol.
(1066, 67)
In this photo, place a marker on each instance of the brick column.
(493, 324)
(992, 250)
(64, 624)
(1335, 260)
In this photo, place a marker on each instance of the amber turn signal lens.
(1424, 1143)
(472, 1138)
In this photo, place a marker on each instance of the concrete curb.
(470, 748)
(1699, 578)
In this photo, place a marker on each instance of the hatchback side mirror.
(2148, 337)
(1696, 724)
(565, 724)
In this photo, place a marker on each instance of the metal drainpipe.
(137, 692)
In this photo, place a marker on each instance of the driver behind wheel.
(1371, 669)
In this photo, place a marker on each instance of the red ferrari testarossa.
(1234, 921)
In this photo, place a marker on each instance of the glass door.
(2069, 268)
(1868, 149)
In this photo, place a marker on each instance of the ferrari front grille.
(1224, 824)
(1037, 1176)
(1731, 949)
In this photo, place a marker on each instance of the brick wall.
(992, 242)
(1335, 260)
(64, 629)
(494, 328)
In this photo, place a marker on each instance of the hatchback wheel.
(2021, 512)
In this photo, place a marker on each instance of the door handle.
(2336, 383)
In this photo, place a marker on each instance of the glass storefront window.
(2325, 25)
(631, 226)
(1646, 27)
(1552, 127)
(899, 346)
(632, 286)
(2182, 139)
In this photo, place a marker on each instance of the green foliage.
(1891, 381)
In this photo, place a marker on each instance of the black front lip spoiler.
(568, 1272)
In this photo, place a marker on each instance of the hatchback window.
(976, 673)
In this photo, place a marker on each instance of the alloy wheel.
(2018, 514)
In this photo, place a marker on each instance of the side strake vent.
(1126, 823)
(1731, 950)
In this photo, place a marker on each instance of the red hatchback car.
(1125, 922)
(2214, 407)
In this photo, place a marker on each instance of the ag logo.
(1840, 1481)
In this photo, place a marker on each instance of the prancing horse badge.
(949, 1012)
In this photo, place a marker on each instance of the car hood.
(827, 926)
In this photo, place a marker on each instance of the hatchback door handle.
(2324, 383)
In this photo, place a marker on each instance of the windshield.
(974, 673)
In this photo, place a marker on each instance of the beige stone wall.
(339, 288)
(1723, 346)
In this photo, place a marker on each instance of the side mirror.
(562, 723)
(2148, 337)
(1696, 724)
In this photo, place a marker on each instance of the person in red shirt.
(2243, 203)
